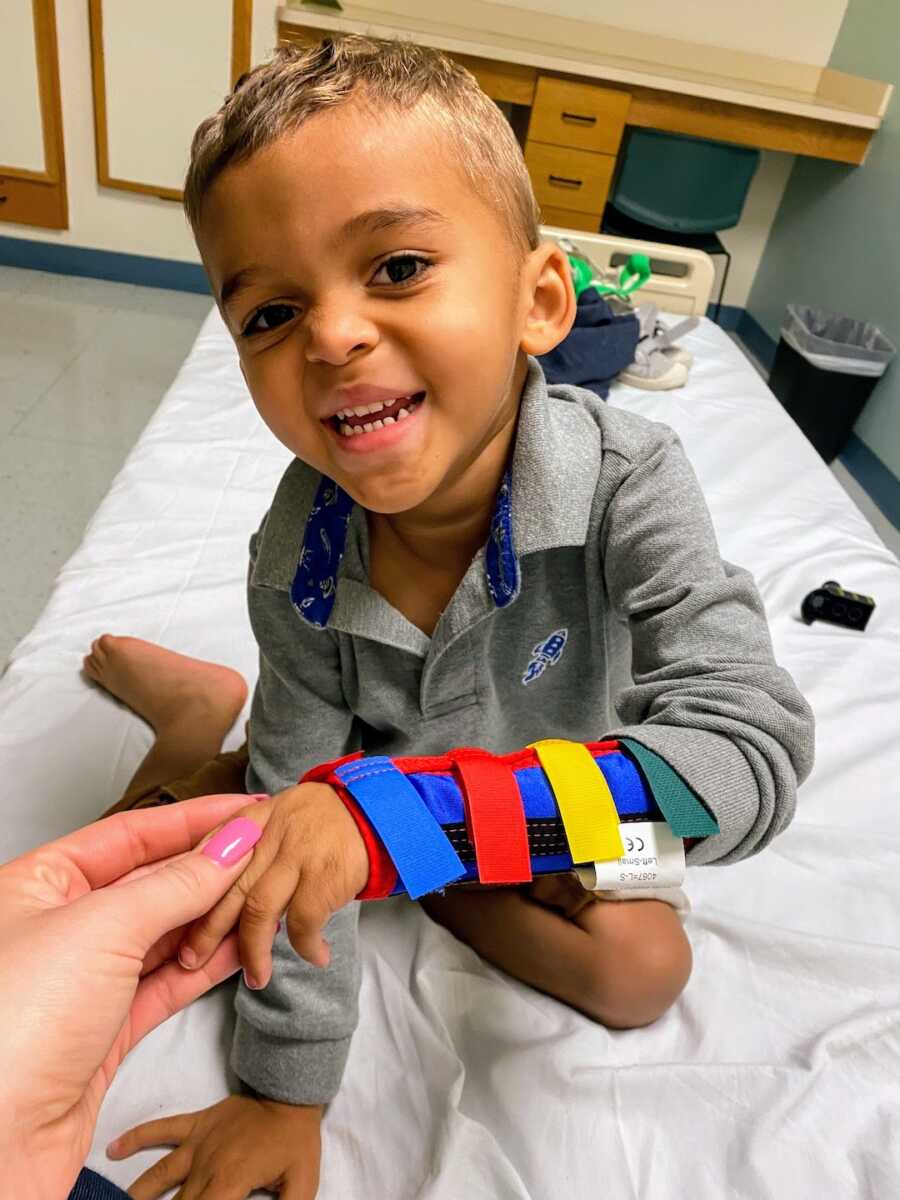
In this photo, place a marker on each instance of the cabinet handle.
(579, 119)
(562, 181)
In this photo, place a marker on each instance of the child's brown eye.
(402, 268)
(264, 320)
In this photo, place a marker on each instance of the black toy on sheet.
(831, 603)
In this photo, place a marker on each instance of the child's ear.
(549, 298)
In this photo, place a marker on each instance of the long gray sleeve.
(707, 695)
(292, 1038)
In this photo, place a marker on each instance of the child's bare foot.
(165, 688)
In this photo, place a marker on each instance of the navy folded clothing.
(91, 1186)
(599, 346)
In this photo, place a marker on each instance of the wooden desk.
(573, 86)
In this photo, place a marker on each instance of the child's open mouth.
(368, 418)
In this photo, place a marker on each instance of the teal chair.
(680, 191)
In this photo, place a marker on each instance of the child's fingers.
(165, 1131)
(164, 950)
(208, 931)
(306, 917)
(302, 1184)
(266, 901)
(167, 1173)
(207, 934)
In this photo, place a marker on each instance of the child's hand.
(228, 1150)
(310, 862)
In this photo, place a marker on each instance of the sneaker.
(658, 363)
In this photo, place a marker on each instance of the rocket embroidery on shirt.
(546, 654)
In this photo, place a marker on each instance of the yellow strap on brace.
(586, 805)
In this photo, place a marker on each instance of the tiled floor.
(83, 365)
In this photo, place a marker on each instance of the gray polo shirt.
(601, 536)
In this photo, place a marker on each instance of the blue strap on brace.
(420, 849)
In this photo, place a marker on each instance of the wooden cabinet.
(574, 137)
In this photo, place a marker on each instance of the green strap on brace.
(687, 816)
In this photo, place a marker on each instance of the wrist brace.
(500, 819)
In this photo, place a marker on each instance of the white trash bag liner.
(834, 342)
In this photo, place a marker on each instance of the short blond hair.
(277, 97)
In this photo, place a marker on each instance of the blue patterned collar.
(315, 582)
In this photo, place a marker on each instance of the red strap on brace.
(495, 817)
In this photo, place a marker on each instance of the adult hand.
(89, 928)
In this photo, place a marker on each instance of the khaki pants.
(224, 774)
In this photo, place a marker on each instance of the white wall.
(105, 219)
(801, 30)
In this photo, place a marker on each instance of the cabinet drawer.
(31, 202)
(578, 115)
(566, 218)
(573, 179)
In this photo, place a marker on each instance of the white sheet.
(777, 1072)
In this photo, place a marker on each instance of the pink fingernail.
(252, 982)
(260, 796)
(233, 842)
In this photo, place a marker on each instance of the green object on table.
(634, 275)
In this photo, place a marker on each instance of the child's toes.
(103, 645)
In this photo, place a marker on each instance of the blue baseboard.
(729, 317)
(874, 477)
(104, 264)
(756, 339)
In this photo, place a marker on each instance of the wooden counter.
(579, 84)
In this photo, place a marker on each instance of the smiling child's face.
(356, 268)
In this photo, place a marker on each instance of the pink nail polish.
(259, 796)
(233, 842)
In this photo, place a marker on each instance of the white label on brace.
(653, 858)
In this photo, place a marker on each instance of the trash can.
(825, 369)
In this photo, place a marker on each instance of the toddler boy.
(370, 233)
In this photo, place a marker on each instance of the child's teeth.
(401, 414)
